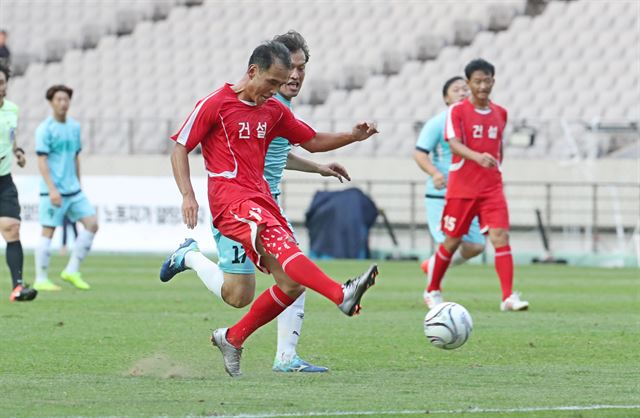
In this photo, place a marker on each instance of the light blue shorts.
(231, 255)
(73, 207)
(435, 207)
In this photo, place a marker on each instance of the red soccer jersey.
(481, 131)
(235, 136)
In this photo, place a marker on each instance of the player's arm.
(297, 163)
(324, 141)
(427, 141)
(43, 167)
(17, 151)
(485, 159)
(182, 175)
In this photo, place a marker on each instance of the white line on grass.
(431, 411)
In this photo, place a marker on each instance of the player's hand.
(439, 182)
(55, 197)
(486, 160)
(190, 211)
(364, 130)
(334, 170)
(20, 159)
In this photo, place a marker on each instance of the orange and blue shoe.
(174, 264)
(23, 293)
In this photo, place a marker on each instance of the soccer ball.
(448, 325)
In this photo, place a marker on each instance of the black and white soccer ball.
(448, 325)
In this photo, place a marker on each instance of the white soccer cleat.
(432, 298)
(230, 354)
(513, 303)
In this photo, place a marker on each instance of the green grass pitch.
(133, 346)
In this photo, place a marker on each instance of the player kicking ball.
(235, 125)
(474, 129)
(431, 143)
(235, 284)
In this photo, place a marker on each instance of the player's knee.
(91, 224)
(451, 243)
(238, 298)
(293, 289)
(11, 231)
(472, 250)
(499, 237)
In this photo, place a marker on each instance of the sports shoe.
(432, 298)
(22, 293)
(174, 264)
(75, 279)
(354, 289)
(296, 364)
(230, 354)
(513, 303)
(46, 285)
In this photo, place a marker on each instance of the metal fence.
(583, 208)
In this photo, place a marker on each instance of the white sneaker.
(432, 298)
(513, 303)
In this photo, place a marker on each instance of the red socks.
(277, 242)
(263, 310)
(504, 268)
(442, 261)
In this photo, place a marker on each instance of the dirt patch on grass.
(160, 365)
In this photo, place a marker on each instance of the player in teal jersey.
(233, 278)
(58, 147)
(433, 156)
(9, 205)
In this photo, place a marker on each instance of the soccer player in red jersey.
(234, 126)
(474, 129)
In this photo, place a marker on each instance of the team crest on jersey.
(493, 132)
(262, 130)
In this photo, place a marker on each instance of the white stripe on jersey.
(457, 166)
(451, 133)
(226, 174)
(183, 136)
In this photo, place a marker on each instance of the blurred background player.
(474, 129)
(237, 286)
(433, 156)
(9, 205)
(236, 124)
(58, 146)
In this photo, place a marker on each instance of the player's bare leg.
(499, 238)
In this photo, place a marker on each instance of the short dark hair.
(266, 54)
(51, 91)
(448, 83)
(294, 42)
(479, 64)
(7, 72)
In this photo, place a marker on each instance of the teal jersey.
(60, 142)
(276, 158)
(431, 140)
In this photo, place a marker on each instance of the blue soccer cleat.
(175, 263)
(297, 365)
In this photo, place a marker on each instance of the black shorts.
(9, 205)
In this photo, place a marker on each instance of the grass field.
(135, 347)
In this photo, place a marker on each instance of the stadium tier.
(378, 59)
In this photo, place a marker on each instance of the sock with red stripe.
(504, 268)
(277, 242)
(264, 309)
(442, 260)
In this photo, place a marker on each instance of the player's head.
(4, 79)
(480, 78)
(299, 50)
(454, 90)
(59, 97)
(269, 67)
(3, 37)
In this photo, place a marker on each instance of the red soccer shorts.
(458, 214)
(241, 221)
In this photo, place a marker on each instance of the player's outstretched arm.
(298, 163)
(182, 175)
(19, 153)
(324, 141)
(485, 159)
